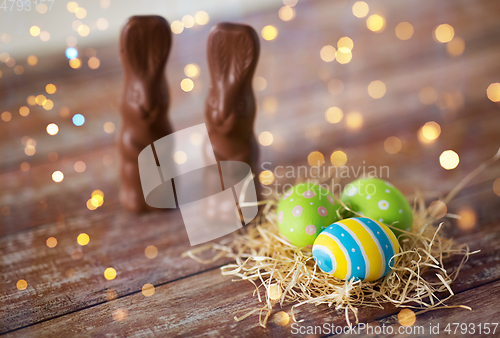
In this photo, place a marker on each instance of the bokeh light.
(57, 176)
(35, 30)
(259, 83)
(24, 111)
(286, 13)
(429, 132)
(83, 239)
(392, 145)
(148, 290)
(51, 242)
(281, 318)
(404, 30)
(375, 23)
(48, 104)
(79, 166)
(18, 69)
(50, 88)
(81, 13)
(315, 159)
(52, 129)
(192, 70)
(44, 36)
(176, 27)
(493, 92)
(376, 89)
(30, 150)
(188, 21)
(83, 30)
(343, 56)
(269, 33)
(6, 116)
(449, 159)
(119, 315)
(180, 157)
(75, 63)
(444, 33)
(78, 120)
(110, 273)
(109, 127)
(290, 3)
(21, 284)
(360, 9)
(327, 53)
(25, 166)
(345, 44)
(406, 317)
(266, 177)
(72, 6)
(201, 18)
(151, 251)
(274, 292)
(456, 46)
(354, 120)
(338, 158)
(437, 209)
(334, 114)
(94, 62)
(102, 24)
(32, 60)
(265, 138)
(468, 218)
(187, 85)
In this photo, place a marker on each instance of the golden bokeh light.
(343, 56)
(79, 166)
(406, 317)
(97, 192)
(11, 62)
(360, 9)
(354, 120)
(18, 69)
(81, 13)
(102, 24)
(429, 132)
(83, 30)
(151, 251)
(468, 218)
(148, 290)
(25, 166)
(376, 89)
(57, 176)
(83, 239)
(493, 92)
(44, 36)
(427, 95)
(75, 63)
(266, 138)
(119, 315)
(32, 60)
(188, 21)
(281, 318)
(176, 27)
(31, 100)
(35, 30)
(345, 44)
(404, 30)
(456, 46)
(192, 70)
(444, 33)
(109, 127)
(274, 292)
(375, 23)
(259, 83)
(51, 242)
(286, 13)
(269, 33)
(90, 204)
(72, 6)
(4, 56)
(290, 3)
(94, 62)
(266, 177)
(496, 186)
(327, 53)
(110, 273)
(201, 18)
(449, 159)
(269, 104)
(187, 85)
(315, 159)
(40, 99)
(24, 111)
(334, 114)
(48, 104)
(335, 86)
(30, 150)
(392, 145)
(6, 116)
(52, 129)
(21, 284)
(437, 209)
(180, 157)
(338, 158)
(50, 88)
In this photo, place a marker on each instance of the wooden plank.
(119, 242)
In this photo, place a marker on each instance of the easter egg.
(356, 247)
(379, 200)
(304, 211)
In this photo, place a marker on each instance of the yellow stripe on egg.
(337, 249)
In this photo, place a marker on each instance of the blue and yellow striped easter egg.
(356, 247)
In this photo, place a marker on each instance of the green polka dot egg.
(304, 211)
(379, 200)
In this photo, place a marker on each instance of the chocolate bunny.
(144, 48)
(233, 53)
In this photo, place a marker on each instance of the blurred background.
(413, 85)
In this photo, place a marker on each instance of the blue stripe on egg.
(325, 259)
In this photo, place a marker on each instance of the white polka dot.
(400, 211)
(378, 232)
(387, 247)
(383, 204)
(291, 200)
(319, 262)
(387, 191)
(381, 220)
(353, 250)
(341, 234)
(311, 203)
(297, 210)
(351, 190)
(291, 229)
(368, 197)
(358, 268)
(280, 217)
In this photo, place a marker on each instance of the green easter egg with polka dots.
(304, 211)
(379, 200)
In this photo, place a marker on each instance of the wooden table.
(67, 294)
